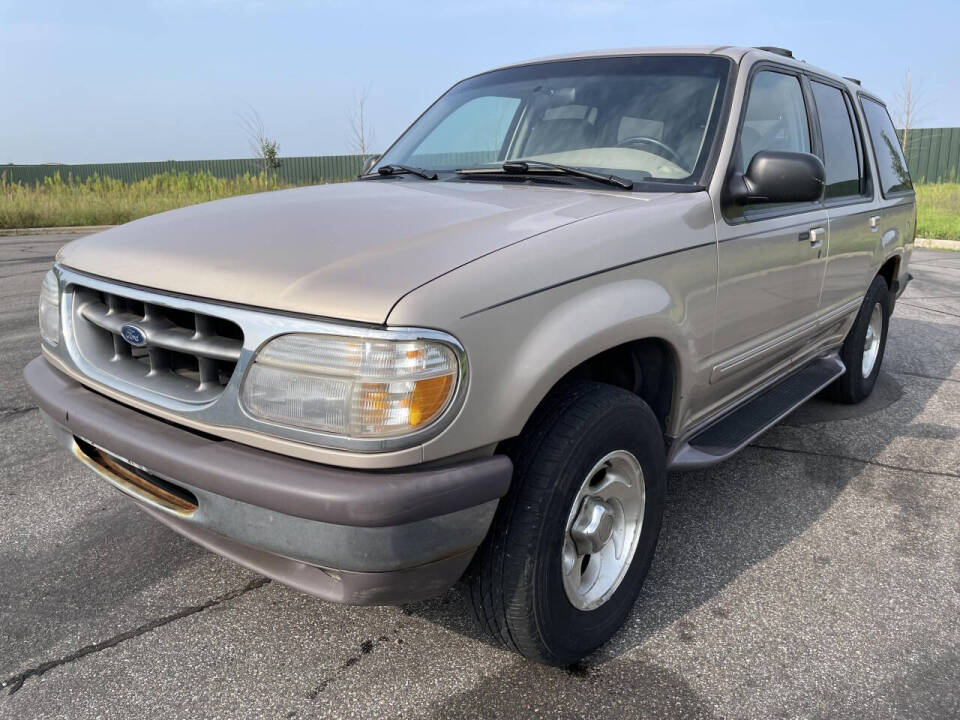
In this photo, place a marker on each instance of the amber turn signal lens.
(429, 398)
(352, 386)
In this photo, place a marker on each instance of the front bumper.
(342, 535)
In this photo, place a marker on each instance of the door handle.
(816, 236)
(874, 223)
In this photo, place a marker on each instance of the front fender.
(530, 313)
(582, 326)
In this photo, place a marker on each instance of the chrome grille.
(185, 355)
(89, 350)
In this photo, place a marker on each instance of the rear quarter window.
(891, 165)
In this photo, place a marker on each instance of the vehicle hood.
(347, 251)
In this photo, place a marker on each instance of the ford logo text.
(133, 335)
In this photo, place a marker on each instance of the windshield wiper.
(395, 169)
(523, 167)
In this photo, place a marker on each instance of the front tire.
(572, 541)
(863, 348)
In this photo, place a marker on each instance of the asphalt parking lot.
(816, 574)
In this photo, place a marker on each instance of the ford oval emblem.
(133, 335)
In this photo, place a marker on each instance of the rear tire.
(588, 487)
(862, 351)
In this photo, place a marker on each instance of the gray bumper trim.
(900, 284)
(277, 482)
(353, 588)
(344, 547)
(355, 537)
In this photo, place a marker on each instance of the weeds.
(938, 211)
(104, 201)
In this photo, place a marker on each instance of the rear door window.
(840, 156)
(891, 165)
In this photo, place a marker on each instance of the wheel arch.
(890, 270)
(606, 333)
(648, 366)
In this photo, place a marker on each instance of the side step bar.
(732, 432)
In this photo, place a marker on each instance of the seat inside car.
(553, 135)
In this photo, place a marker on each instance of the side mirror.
(778, 177)
(369, 163)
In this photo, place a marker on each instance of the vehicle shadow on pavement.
(718, 523)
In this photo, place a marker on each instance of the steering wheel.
(645, 140)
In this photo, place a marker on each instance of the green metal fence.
(933, 155)
(299, 170)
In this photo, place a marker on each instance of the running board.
(735, 430)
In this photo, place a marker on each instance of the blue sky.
(88, 81)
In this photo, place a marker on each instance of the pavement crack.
(838, 456)
(30, 261)
(934, 310)
(929, 265)
(15, 682)
(7, 413)
(926, 377)
(366, 647)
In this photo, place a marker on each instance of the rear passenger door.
(771, 257)
(848, 196)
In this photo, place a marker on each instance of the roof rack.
(775, 50)
(855, 81)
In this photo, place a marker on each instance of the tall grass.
(938, 211)
(104, 201)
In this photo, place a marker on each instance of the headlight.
(354, 387)
(50, 308)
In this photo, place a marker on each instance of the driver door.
(771, 257)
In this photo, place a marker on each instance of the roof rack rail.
(855, 81)
(775, 50)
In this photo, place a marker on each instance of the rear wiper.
(522, 167)
(395, 169)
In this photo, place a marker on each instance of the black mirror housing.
(775, 176)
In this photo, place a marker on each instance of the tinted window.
(776, 117)
(840, 155)
(891, 164)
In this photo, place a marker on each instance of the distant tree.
(361, 134)
(899, 169)
(908, 107)
(265, 149)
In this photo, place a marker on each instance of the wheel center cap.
(593, 527)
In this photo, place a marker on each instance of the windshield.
(642, 118)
